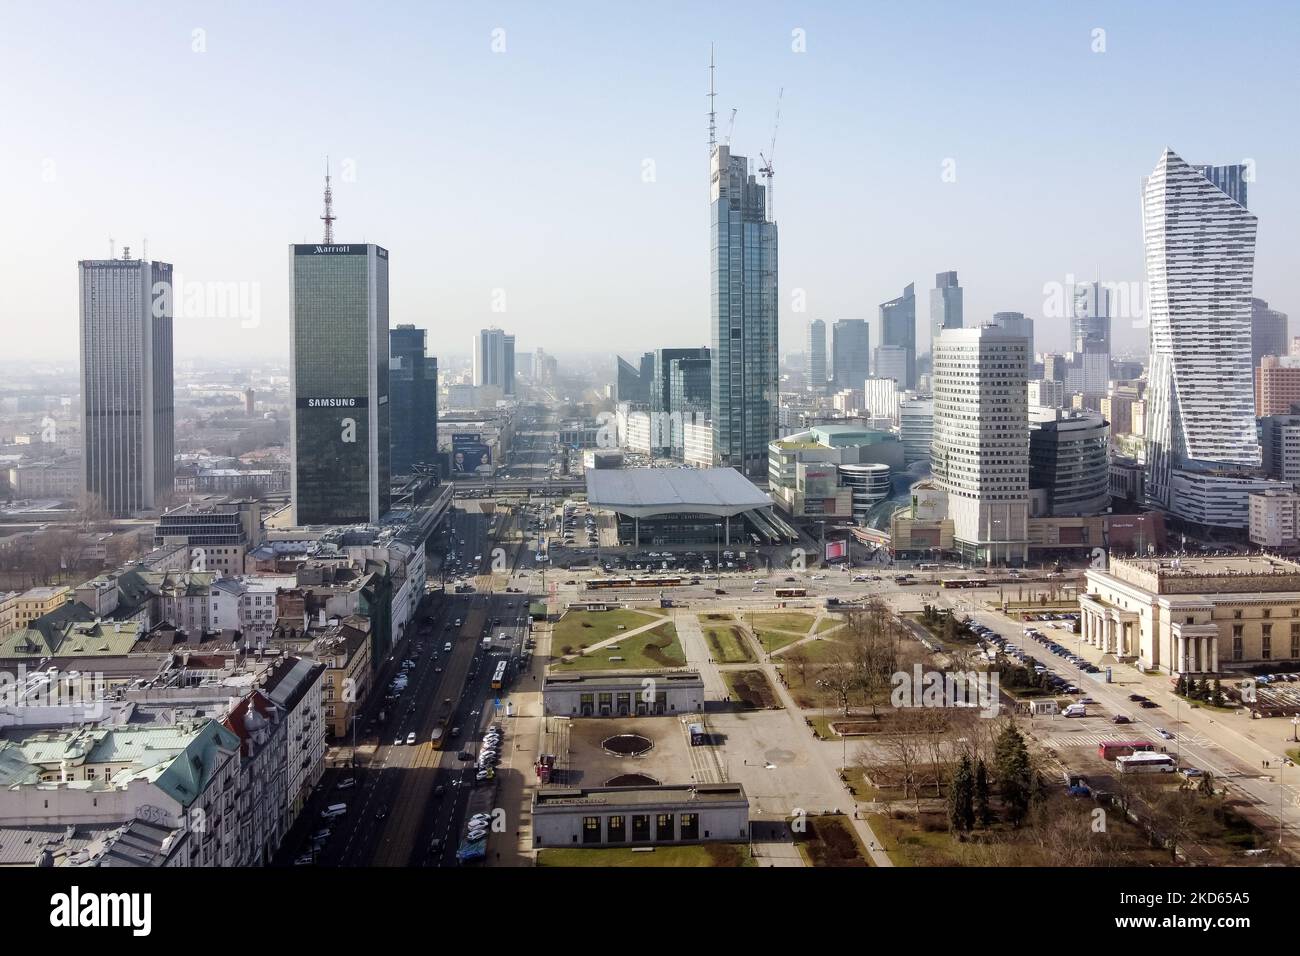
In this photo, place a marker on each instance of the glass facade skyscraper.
(850, 352)
(413, 392)
(1268, 333)
(743, 266)
(945, 305)
(340, 443)
(127, 403)
(898, 329)
(632, 382)
(494, 360)
(815, 357)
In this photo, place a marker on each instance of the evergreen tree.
(961, 796)
(1015, 776)
(982, 809)
(1217, 698)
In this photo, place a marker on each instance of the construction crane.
(731, 125)
(767, 169)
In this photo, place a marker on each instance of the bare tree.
(905, 751)
(842, 676)
(934, 726)
(1177, 815)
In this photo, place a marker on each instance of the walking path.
(829, 765)
(696, 648)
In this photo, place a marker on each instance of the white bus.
(1146, 762)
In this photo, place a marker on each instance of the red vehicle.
(545, 766)
(1110, 749)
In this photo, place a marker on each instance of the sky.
(544, 167)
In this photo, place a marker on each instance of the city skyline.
(540, 250)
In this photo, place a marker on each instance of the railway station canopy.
(645, 492)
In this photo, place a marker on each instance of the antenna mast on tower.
(329, 216)
(713, 116)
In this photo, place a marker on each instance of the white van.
(334, 810)
(1075, 710)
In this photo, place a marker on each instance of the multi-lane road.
(406, 796)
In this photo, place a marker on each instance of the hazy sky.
(570, 170)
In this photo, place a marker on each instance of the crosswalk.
(1085, 739)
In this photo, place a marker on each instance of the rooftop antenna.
(730, 126)
(713, 115)
(112, 248)
(329, 216)
(145, 256)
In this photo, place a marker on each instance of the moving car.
(410, 738)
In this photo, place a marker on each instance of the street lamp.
(718, 553)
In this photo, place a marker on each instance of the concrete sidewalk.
(830, 767)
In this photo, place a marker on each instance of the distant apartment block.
(1277, 385)
(1275, 520)
(61, 478)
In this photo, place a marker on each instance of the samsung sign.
(361, 402)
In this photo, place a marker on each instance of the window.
(591, 829)
(1295, 645)
(1236, 632)
(1266, 653)
(1268, 612)
(1268, 631)
(1236, 615)
(1191, 620)
(690, 826)
(1236, 647)
(616, 829)
(664, 826)
(640, 827)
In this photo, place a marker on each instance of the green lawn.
(651, 649)
(699, 854)
(794, 621)
(858, 785)
(829, 621)
(819, 652)
(773, 641)
(579, 629)
(727, 643)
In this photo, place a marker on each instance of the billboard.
(836, 550)
(470, 454)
